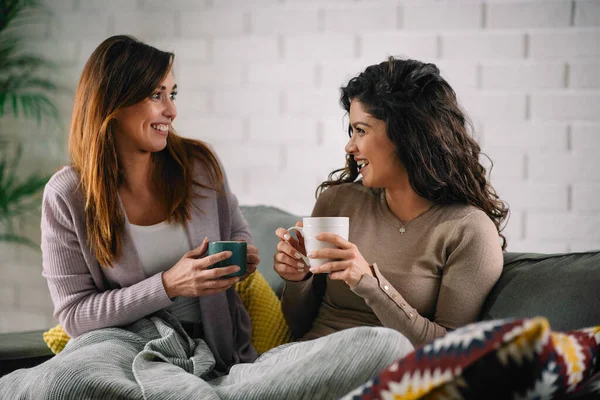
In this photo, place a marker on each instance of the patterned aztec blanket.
(155, 359)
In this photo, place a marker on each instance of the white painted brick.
(508, 165)
(184, 49)
(442, 15)
(288, 20)
(565, 44)
(378, 46)
(60, 5)
(533, 196)
(321, 160)
(62, 52)
(585, 138)
(335, 74)
(246, 102)
(146, 25)
(100, 6)
(212, 23)
(494, 106)
(360, 18)
(534, 136)
(587, 13)
(460, 75)
(483, 45)
(193, 76)
(544, 246)
(18, 273)
(242, 3)
(236, 157)
(283, 74)
(18, 320)
(335, 132)
(245, 50)
(306, 103)
(86, 26)
(284, 130)
(584, 74)
(293, 192)
(8, 295)
(523, 75)
(33, 298)
(179, 5)
(584, 246)
(513, 227)
(565, 105)
(586, 197)
(190, 103)
(564, 226)
(319, 47)
(528, 14)
(211, 129)
(563, 167)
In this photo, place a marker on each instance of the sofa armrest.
(22, 350)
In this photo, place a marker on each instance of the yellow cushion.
(269, 328)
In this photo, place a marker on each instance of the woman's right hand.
(190, 277)
(287, 262)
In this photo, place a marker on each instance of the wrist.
(169, 287)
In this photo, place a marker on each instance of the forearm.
(300, 304)
(82, 309)
(394, 312)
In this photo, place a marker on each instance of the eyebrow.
(165, 88)
(355, 124)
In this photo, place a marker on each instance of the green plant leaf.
(12, 238)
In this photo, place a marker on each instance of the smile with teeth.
(362, 164)
(160, 127)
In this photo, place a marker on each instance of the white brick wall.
(259, 80)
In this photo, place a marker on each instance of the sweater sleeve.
(239, 227)
(300, 301)
(473, 266)
(79, 305)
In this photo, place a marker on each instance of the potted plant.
(26, 93)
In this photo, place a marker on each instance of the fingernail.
(311, 254)
(298, 255)
(300, 265)
(287, 236)
(300, 269)
(313, 269)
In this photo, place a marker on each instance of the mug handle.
(299, 229)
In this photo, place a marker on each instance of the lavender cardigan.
(87, 296)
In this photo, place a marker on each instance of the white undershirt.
(160, 247)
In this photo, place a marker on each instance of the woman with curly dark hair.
(425, 247)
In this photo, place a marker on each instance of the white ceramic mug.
(315, 225)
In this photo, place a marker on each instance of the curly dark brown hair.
(431, 134)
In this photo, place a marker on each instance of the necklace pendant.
(402, 230)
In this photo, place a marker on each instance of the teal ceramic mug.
(239, 252)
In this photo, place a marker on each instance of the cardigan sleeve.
(473, 266)
(79, 305)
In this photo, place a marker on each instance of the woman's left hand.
(252, 261)
(349, 265)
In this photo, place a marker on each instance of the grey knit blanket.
(155, 359)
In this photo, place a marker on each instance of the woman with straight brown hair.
(126, 226)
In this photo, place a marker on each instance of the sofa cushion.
(501, 359)
(561, 287)
(263, 222)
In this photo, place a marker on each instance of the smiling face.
(144, 127)
(372, 149)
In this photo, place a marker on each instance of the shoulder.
(470, 224)
(64, 183)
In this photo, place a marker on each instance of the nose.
(170, 110)
(350, 146)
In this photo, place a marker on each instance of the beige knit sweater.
(431, 279)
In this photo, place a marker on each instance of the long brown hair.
(430, 132)
(121, 72)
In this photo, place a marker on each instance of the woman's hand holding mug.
(288, 261)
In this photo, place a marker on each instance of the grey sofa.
(562, 287)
